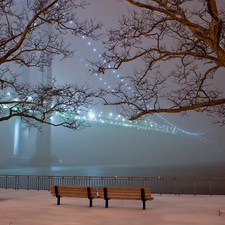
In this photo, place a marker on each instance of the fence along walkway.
(159, 185)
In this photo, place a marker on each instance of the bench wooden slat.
(124, 193)
(73, 191)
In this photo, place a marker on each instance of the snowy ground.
(22, 207)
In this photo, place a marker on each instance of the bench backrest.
(125, 193)
(74, 191)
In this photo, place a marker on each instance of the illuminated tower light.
(29, 98)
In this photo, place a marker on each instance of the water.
(118, 170)
(161, 179)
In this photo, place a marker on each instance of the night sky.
(112, 141)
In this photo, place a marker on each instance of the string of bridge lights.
(122, 121)
(147, 123)
(170, 128)
(119, 120)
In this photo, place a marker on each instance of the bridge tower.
(33, 144)
(43, 140)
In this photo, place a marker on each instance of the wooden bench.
(73, 191)
(124, 193)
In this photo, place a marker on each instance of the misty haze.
(158, 145)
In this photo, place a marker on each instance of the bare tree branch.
(32, 33)
(55, 104)
(178, 49)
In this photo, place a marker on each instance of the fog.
(197, 141)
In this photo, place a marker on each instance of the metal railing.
(160, 185)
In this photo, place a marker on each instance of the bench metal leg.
(57, 195)
(143, 204)
(106, 203)
(89, 196)
(106, 197)
(143, 197)
(90, 203)
(58, 200)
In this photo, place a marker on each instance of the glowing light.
(91, 115)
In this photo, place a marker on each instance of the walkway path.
(22, 207)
